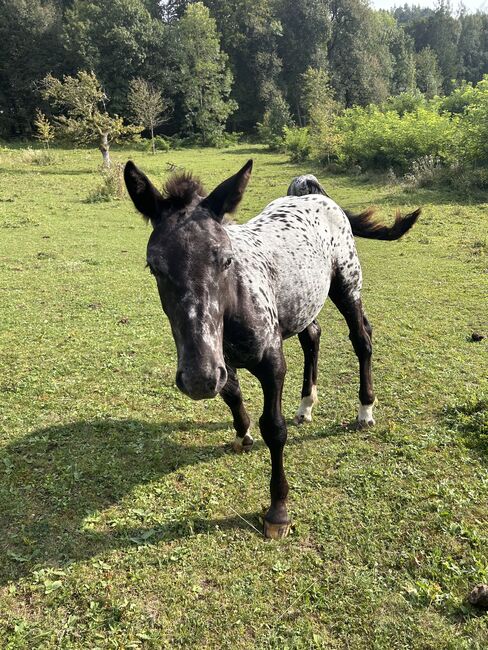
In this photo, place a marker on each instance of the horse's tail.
(363, 225)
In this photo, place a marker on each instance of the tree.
(438, 30)
(306, 31)
(473, 46)
(204, 79)
(317, 96)
(444, 32)
(147, 106)
(29, 47)
(361, 65)
(402, 50)
(119, 40)
(429, 77)
(320, 110)
(276, 118)
(251, 33)
(172, 10)
(44, 130)
(473, 136)
(86, 119)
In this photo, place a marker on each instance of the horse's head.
(190, 254)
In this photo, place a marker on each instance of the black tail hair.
(363, 225)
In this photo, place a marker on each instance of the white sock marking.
(304, 413)
(365, 413)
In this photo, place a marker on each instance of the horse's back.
(297, 239)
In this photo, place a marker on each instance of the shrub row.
(404, 134)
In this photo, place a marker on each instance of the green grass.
(121, 506)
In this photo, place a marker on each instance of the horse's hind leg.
(360, 333)
(310, 342)
(232, 396)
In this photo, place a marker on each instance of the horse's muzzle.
(198, 385)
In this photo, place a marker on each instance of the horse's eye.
(227, 262)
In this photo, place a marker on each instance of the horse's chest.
(245, 341)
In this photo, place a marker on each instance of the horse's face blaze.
(191, 263)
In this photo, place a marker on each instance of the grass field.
(126, 521)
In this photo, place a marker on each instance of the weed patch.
(112, 187)
(39, 157)
(470, 420)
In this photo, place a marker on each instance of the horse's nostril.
(198, 385)
(222, 376)
(179, 380)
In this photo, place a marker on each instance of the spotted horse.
(233, 293)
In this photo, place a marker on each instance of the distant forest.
(234, 58)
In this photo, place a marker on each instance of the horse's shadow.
(55, 478)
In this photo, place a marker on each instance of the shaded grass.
(120, 502)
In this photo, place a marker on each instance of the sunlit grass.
(121, 507)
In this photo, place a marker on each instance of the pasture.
(125, 519)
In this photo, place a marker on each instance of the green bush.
(378, 140)
(297, 143)
(161, 143)
(459, 99)
(465, 178)
(229, 139)
(442, 140)
(320, 111)
(472, 136)
(407, 102)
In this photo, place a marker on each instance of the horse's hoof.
(300, 418)
(365, 424)
(276, 531)
(241, 445)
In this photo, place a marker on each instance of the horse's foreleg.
(271, 373)
(360, 333)
(310, 342)
(232, 396)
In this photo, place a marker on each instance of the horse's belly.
(299, 301)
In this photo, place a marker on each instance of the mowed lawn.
(125, 519)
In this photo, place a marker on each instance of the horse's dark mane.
(182, 187)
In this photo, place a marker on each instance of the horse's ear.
(145, 196)
(227, 196)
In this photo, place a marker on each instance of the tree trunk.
(299, 115)
(152, 140)
(105, 149)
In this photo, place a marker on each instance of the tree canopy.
(83, 116)
(227, 63)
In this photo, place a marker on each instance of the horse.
(306, 184)
(233, 293)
